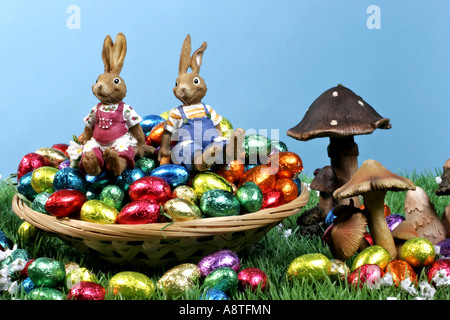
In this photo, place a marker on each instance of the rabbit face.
(109, 88)
(190, 88)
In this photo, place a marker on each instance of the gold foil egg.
(27, 231)
(225, 127)
(418, 252)
(131, 285)
(42, 179)
(78, 275)
(372, 255)
(54, 156)
(178, 280)
(185, 192)
(315, 265)
(99, 212)
(182, 210)
(205, 181)
(339, 270)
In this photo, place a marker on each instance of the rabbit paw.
(115, 163)
(90, 164)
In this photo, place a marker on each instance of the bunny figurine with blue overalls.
(195, 126)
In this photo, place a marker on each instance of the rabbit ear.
(197, 57)
(185, 56)
(107, 53)
(119, 51)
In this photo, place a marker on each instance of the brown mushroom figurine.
(339, 114)
(420, 212)
(402, 233)
(372, 181)
(444, 185)
(325, 181)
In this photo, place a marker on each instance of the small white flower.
(74, 150)
(5, 279)
(14, 288)
(391, 298)
(408, 286)
(121, 147)
(440, 278)
(387, 280)
(438, 180)
(5, 254)
(426, 290)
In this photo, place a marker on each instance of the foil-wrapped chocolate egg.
(146, 165)
(288, 187)
(112, 195)
(393, 220)
(272, 198)
(42, 179)
(152, 188)
(54, 156)
(367, 274)
(86, 290)
(232, 171)
(27, 231)
(253, 279)
(39, 202)
(182, 210)
(219, 203)
(372, 255)
(128, 177)
(45, 293)
(65, 202)
(289, 164)
(25, 188)
(205, 181)
(155, 134)
(278, 146)
(46, 272)
(165, 114)
(5, 242)
(438, 271)
(262, 175)
(250, 197)
(179, 280)
(224, 279)
(418, 252)
(70, 178)
(64, 164)
(27, 285)
(339, 270)
(95, 184)
(98, 211)
(444, 247)
(213, 294)
(150, 121)
(61, 147)
(140, 212)
(185, 192)
(29, 162)
(130, 285)
(401, 270)
(256, 147)
(174, 174)
(77, 275)
(226, 127)
(219, 259)
(309, 265)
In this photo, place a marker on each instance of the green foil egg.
(98, 211)
(226, 127)
(219, 203)
(372, 255)
(146, 165)
(39, 202)
(256, 144)
(112, 195)
(224, 279)
(250, 197)
(131, 285)
(309, 265)
(46, 272)
(205, 181)
(46, 293)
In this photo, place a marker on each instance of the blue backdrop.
(266, 62)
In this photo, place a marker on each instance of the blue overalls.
(193, 135)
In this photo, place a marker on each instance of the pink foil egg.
(438, 269)
(86, 290)
(140, 212)
(65, 202)
(30, 162)
(151, 188)
(219, 259)
(253, 278)
(369, 274)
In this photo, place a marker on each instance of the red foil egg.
(24, 271)
(30, 162)
(86, 290)
(140, 212)
(151, 188)
(438, 266)
(401, 270)
(61, 147)
(253, 278)
(65, 202)
(272, 198)
(367, 274)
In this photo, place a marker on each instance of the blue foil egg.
(174, 174)
(24, 186)
(27, 285)
(128, 177)
(213, 294)
(5, 242)
(70, 178)
(150, 121)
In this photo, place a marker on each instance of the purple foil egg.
(444, 247)
(64, 164)
(393, 220)
(219, 259)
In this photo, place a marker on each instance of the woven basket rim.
(146, 232)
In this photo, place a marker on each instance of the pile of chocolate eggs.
(149, 193)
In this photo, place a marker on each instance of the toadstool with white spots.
(372, 181)
(339, 114)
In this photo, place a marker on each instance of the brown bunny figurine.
(113, 135)
(194, 125)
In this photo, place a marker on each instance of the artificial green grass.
(272, 254)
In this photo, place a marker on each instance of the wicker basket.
(151, 245)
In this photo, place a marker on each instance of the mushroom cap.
(372, 176)
(338, 112)
(325, 180)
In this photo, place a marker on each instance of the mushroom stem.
(343, 153)
(379, 230)
(326, 203)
